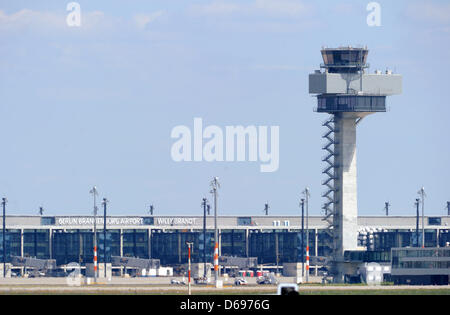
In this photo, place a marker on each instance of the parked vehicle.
(240, 281)
(266, 279)
(177, 282)
(201, 280)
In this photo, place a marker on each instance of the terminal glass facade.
(135, 243)
(436, 258)
(233, 243)
(36, 243)
(279, 246)
(170, 246)
(262, 245)
(165, 246)
(112, 245)
(271, 244)
(421, 265)
(13, 244)
(384, 241)
(78, 246)
(367, 256)
(73, 246)
(325, 243)
(444, 237)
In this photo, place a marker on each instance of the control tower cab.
(344, 85)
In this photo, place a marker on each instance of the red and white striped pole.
(307, 263)
(95, 262)
(95, 193)
(216, 258)
(307, 195)
(215, 185)
(189, 267)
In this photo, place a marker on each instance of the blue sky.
(95, 105)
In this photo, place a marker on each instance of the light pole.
(151, 209)
(215, 186)
(386, 207)
(276, 251)
(94, 192)
(189, 244)
(307, 195)
(105, 201)
(4, 201)
(302, 203)
(206, 208)
(266, 208)
(422, 194)
(417, 203)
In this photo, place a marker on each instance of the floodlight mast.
(417, 203)
(422, 195)
(302, 205)
(206, 208)
(151, 209)
(307, 194)
(215, 186)
(266, 208)
(94, 192)
(4, 201)
(386, 207)
(105, 201)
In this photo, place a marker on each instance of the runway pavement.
(159, 285)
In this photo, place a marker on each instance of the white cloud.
(345, 8)
(215, 8)
(45, 20)
(92, 21)
(142, 20)
(285, 8)
(281, 7)
(27, 18)
(431, 12)
(277, 67)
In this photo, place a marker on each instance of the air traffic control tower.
(349, 94)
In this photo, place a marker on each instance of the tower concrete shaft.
(345, 198)
(341, 207)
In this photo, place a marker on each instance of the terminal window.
(244, 221)
(47, 221)
(434, 221)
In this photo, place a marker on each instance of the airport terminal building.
(274, 240)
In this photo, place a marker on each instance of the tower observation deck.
(348, 94)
